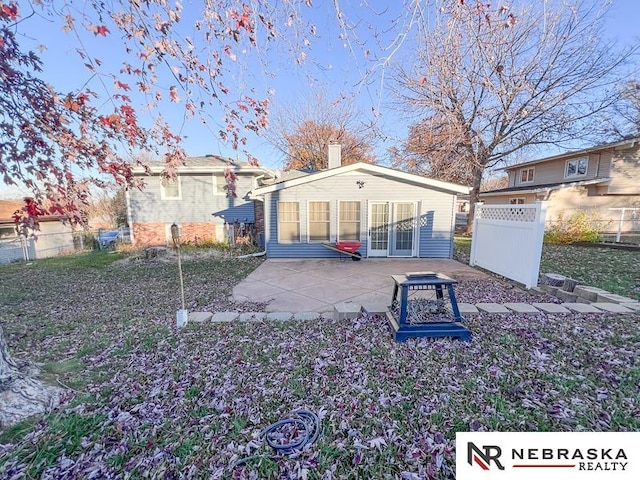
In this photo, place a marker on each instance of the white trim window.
(516, 201)
(349, 221)
(319, 222)
(526, 174)
(170, 188)
(288, 222)
(8, 232)
(219, 184)
(576, 168)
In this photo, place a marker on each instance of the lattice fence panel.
(509, 214)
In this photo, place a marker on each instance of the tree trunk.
(474, 196)
(20, 395)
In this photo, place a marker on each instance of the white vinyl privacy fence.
(507, 240)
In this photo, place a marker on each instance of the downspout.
(259, 254)
(129, 216)
(454, 214)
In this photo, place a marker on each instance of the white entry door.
(378, 229)
(392, 229)
(403, 222)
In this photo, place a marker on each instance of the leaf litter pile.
(146, 401)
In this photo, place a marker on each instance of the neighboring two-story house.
(600, 180)
(196, 200)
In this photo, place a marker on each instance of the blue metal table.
(425, 317)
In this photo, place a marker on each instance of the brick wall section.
(192, 232)
(155, 233)
(149, 234)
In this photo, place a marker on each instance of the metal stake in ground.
(182, 315)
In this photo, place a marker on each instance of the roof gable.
(366, 168)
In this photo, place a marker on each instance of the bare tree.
(629, 110)
(491, 81)
(494, 182)
(108, 206)
(302, 131)
(431, 150)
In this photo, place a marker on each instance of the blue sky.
(331, 66)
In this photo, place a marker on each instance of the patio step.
(350, 310)
(521, 307)
(492, 308)
(551, 308)
(612, 307)
(346, 310)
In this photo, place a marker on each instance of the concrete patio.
(304, 285)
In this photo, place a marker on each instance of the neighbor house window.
(516, 201)
(349, 221)
(526, 175)
(319, 221)
(170, 188)
(576, 168)
(219, 184)
(288, 222)
(7, 232)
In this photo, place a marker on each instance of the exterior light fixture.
(175, 234)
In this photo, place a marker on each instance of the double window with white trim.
(576, 168)
(526, 175)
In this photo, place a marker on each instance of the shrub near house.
(579, 227)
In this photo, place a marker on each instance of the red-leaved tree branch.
(60, 144)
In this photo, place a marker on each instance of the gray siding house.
(392, 213)
(196, 201)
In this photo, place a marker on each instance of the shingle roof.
(202, 163)
(370, 168)
(7, 207)
(207, 161)
(279, 177)
(563, 184)
(605, 146)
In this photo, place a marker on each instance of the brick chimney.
(335, 155)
